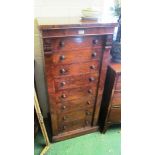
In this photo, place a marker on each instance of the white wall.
(57, 8)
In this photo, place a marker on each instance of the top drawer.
(68, 43)
(76, 32)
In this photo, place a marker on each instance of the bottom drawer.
(75, 115)
(115, 115)
(77, 124)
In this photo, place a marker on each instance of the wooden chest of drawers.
(76, 56)
(111, 105)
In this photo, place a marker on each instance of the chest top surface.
(116, 67)
(72, 22)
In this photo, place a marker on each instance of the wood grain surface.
(76, 56)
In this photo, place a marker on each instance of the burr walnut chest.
(76, 55)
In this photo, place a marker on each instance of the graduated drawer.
(76, 81)
(74, 105)
(77, 93)
(75, 69)
(117, 94)
(118, 86)
(73, 56)
(68, 43)
(116, 98)
(116, 101)
(115, 115)
(77, 124)
(119, 78)
(76, 31)
(75, 115)
(118, 82)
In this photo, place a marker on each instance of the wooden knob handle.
(88, 113)
(94, 54)
(62, 71)
(88, 102)
(63, 83)
(65, 117)
(62, 57)
(62, 44)
(63, 107)
(63, 96)
(90, 91)
(92, 67)
(91, 79)
(95, 41)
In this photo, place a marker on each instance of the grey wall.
(39, 70)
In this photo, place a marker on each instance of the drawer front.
(69, 43)
(115, 115)
(77, 124)
(75, 115)
(75, 69)
(74, 105)
(119, 78)
(74, 56)
(117, 94)
(116, 101)
(72, 94)
(76, 81)
(76, 31)
(118, 86)
(118, 82)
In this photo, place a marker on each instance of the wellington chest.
(110, 112)
(76, 55)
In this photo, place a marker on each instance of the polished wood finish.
(74, 43)
(110, 112)
(76, 104)
(76, 32)
(72, 22)
(77, 81)
(76, 56)
(74, 133)
(114, 115)
(74, 69)
(73, 56)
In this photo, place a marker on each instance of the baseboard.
(71, 134)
